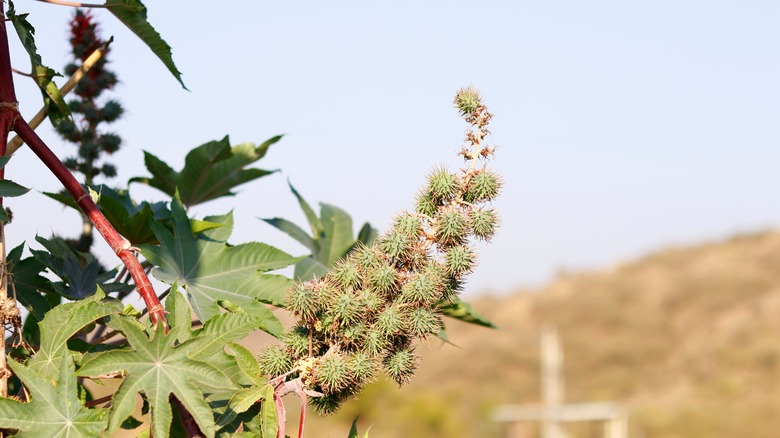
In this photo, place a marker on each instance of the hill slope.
(688, 339)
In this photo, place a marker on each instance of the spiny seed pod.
(394, 245)
(442, 185)
(423, 322)
(399, 342)
(383, 279)
(452, 227)
(390, 321)
(459, 260)
(362, 367)
(332, 373)
(482, 187)
(483, 223)
(327, 404)
(371, 300)
(346, 275)
(297, 342)
(420, 289)
(409, 226)
(346, 308)
(365, 257)
(417, 257)
(375, 342)
(327, 293)
(436, 272)
(353, 335)
(452, 287)
(426, 204)
(275, 361)
(400, 365)
(467, 100)
(303, 301)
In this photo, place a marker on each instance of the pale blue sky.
(623, 127)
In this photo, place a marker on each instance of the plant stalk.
(118, 244)
(8, 115)
(40, 116)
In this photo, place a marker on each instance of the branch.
(74, 4)
(8, 114)
(118, 244)
(16, 143)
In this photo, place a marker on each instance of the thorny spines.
(367, 313)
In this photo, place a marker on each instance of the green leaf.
(159, 366)
(337, 234)
(268, 413)
(131, 220)
(64, 321)
(210, 171)
(462, 311)
(293, 231)
(247, 363)
(179, 315)
(54, 102)
(133, 14)
(311, 217)
(81, 274)
(367, 234)
(55, 409)
(309, 269)
(4, 160)
(331, 239)
(353, 432)
(10, 189)
(231, 326)
(210, 270)
(242, 400)
(28, 284)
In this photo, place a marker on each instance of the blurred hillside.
(688, 339)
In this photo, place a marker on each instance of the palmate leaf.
(54, 102)
(211, 271)
(132, 220)
(210, 171)
(10, 189)
(55, 409)
(80, 273)
(239, 409)
(463, 311)
(158, 366)
(332, 237)
(133, 14)
(28, 283)
(64, 321)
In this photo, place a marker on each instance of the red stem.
(117, 243)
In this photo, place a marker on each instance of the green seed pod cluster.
(452, 226)
(332, 373)
(366, 314)
(483, 223)
(467, 101)
(459, 260)
(442, 185)
(303, 300)
(297, 342)
(400, 365)
(481, 186)
(275, 360)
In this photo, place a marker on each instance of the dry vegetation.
(688, 339)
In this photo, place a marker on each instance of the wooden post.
(552, 383)
(553, 412)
